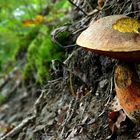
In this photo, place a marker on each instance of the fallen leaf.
(31, 22)
(121, 118)
(100, 3)
(28, 22)
(127, 25)
(39, 18)
(115, 121)
(6, 128)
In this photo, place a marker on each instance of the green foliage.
(58, 10)
(41, 52)
(2, 99)
(63, 37)
(24, 42)
(8, 44)
(16, 40)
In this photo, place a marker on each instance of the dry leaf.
(31, 22)
(115, 121)
(100, 3)
(6, 128)
(28, 23)
(39, 18)
(127, 25)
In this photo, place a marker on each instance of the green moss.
(28, 74)
(25, 40)
(35, 45)
(8, 46)
(40, 53)
(2, 99)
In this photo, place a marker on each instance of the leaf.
(28, 22)
(127, 25)
(5, 128)
(100, 3)
(39, 18)
(115, 121)
(31, 22)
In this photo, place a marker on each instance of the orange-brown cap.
(100, 37)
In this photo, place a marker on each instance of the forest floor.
(75, 104)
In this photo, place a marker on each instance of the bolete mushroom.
(100, 37)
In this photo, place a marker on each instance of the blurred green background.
(25, 27)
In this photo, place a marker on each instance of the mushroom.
(101, 38)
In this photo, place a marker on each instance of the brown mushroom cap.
(101, 38)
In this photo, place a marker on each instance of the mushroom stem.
(127, 85)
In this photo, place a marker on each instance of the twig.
(71, 56)
(93, 12)
(78, 8)
(18, 128)
(69, 115)
(27, 120)
(71, 85)
(81, 29)
(134, 12)
(74, 72)
(54, 34)
(37, 103)
(123, 6)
